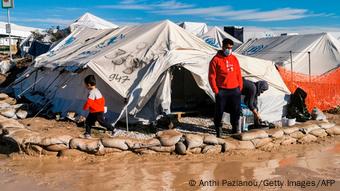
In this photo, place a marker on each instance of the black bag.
(297, 107)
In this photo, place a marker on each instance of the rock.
(333, 131)
(116, 142)
(10, 101)
(180, 148)
(319, 133)
(308, 128)
(21, 114)
(92, 146)
(169, 137)
(71, 153)
(288, 141)
(245, 145)
(260, 142)
(212, 149)
(326, 125)
(56, 147)
(210, 140)
(138, 143)
(250, 135)
(196, 150)
(290, 130)
(57, 139)
(307, 139)
(275, 133)
(111, 150)
(193, 141)
(8, 112)
(3, 96)
(168, 149)
(297, 135)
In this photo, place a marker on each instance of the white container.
(284, 122)
(291, 122)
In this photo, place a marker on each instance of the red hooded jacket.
(225, 72)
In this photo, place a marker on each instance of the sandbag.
(250, 135)
(57, 139)
(275, 133)
(56, 147)
(169, 137)
(260, 142)
(8, 112)
(112, 150)
(210, 140)
(245, 145)
(10, 101)
(180, 148)
(212, 149)
(9, 123)
(92, 146)
(168, 149)
(333, 131)
(3, 96)
(288, 141)
(193, 141)
(326, 125)
(4, 105)
(290, 130)
(116, 142)
(297, 135)
(71, 153)
(144, 151)
(138, 143)
(307, 139)
(308, 128)
(196, 150)
(230, 144)
(19, 135)
(21, 114)
(269, 147)
(319, 133)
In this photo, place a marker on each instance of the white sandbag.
(21, 114)
(167, 149)
(144, 151)
(180, 148)
(297, 135)
(116, 142)
(138, 143)
(10, 101)
(214, 149)
(210, 140)
(308, 128)
(111, 150)
(4, 105)
(326, 125)
(5, 66)
(10, 123)
(288, 140)
(87, 145)
(169, 137)
(18, 135)
(56, 147)
(17, 106)
(319, 133)
(245, 145)
(71, 153)
(250, 135)
(275, 133)
(56, 139)
(307, 139)
(290, 130)
(333, 131)
(269, 147)
(3, 96)
(230, 144)
(261, 142)
(193, 141)
(8, 112)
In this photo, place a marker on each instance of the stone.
(92, 146)
(168, 149)
(180, 148)
(275, 133)
(193, 141)
(3, 96)
(326, 125)
(116, 142)
(308, 128)
(56, 147)
(297, 135)
(169, 137)
(21, 114)
(290, 130)
(212, 149)
(245, 145)
(250, 135)
(210, 140)
(319, 133)
(307, 139)
(333, 131)
(260, 142)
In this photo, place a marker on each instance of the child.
(95, 103)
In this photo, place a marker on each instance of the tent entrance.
(186, 96)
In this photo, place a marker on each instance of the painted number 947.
(118, 78)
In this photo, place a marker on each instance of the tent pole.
(9, 34)
(309, 66)
(126, 114)
(291, 67)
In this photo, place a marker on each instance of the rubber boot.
(218, 131)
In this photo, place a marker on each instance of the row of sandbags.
(168, 141)
(9, 108)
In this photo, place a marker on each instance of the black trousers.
(228, 100)
(92, 118)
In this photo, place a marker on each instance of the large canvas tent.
(134, 63)
(195, 28)
(91, 21)
(215, 36)
(324, 52)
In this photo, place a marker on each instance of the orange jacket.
(95, 101)
(225, 72)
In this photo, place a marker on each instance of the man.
(226, 82)
(251, 90)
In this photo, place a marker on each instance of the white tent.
(324, 51)
(195, 28)
(215, 36)
(91, 21)
(135, 63)
(17, 30)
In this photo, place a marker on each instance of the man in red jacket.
(225, 79)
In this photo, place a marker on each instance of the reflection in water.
(168, 173)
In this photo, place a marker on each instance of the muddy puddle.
(297, 167)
